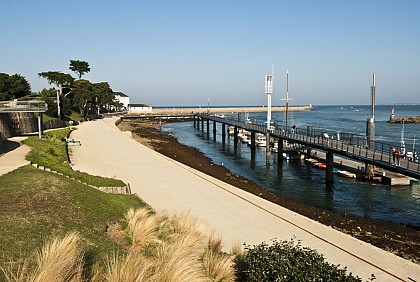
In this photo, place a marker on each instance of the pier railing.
(359, 148)
(351, 145)
(23, 106)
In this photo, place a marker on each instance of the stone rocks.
(404, 120)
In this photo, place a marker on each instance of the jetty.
(216, 110)
(392, 118)
(416, 119)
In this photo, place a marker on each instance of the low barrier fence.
(124, 190)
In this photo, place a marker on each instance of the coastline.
(395, 238)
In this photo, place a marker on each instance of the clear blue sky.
(185, 52)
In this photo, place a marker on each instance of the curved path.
(237, 215)
(15, 156)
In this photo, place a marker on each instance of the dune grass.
(176, 246)
(61, 257)
(50, 151)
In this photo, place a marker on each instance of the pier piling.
(214, 130)
(330, 167)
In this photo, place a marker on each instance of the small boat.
(231, 130)
(319, 165)
(245, 136)
(345, 173)
(311, 160)
(260, 141)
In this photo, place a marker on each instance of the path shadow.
(7, 146)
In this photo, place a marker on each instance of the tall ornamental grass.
(167, 247)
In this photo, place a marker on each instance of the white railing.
(23, 106)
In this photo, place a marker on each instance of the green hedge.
(288, 261)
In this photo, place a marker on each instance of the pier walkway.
(351, 146)
(233, 213)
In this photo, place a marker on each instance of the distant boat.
(319, 165)
(347, 174)
(403, 149)
(310, 160)
(260, 140)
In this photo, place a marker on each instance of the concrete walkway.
(15, 156)
(236, 215)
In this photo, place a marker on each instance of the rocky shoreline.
(396, 238)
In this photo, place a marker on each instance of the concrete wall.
(26, 122)
(5, 126)
(13, 124)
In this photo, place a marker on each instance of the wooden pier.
(349, 146)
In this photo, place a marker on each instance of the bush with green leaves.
(287, 261)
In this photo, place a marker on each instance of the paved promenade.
(236, 215)
(15, 156)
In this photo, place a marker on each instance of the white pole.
(269, 90)
(58, 104)
(269, 111)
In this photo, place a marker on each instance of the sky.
(192, 52)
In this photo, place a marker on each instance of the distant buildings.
(139, 108)
(123, 99)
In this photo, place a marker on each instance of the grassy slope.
(35, 205)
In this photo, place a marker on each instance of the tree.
(4, 87)
(82, 95)
(50, 96)
(18, 86)
(103, 95)
(13, 86)
(60, 80)
(79, 67)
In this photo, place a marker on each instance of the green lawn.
(36, 205)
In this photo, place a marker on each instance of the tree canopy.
(79, 67)
(60, 79)
(13, 86)
(81, 95)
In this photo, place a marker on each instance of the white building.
(123, 99)
(139, 108)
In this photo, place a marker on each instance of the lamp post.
(269, 79)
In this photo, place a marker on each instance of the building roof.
(120, 94)
(139, 105)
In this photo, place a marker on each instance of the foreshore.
(395, 238)
(219, 110)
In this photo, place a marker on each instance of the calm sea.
(297, 180)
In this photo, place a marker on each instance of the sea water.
(300, 181)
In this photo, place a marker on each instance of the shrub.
(287, 261)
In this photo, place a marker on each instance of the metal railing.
(351, 145)
(23, 106)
